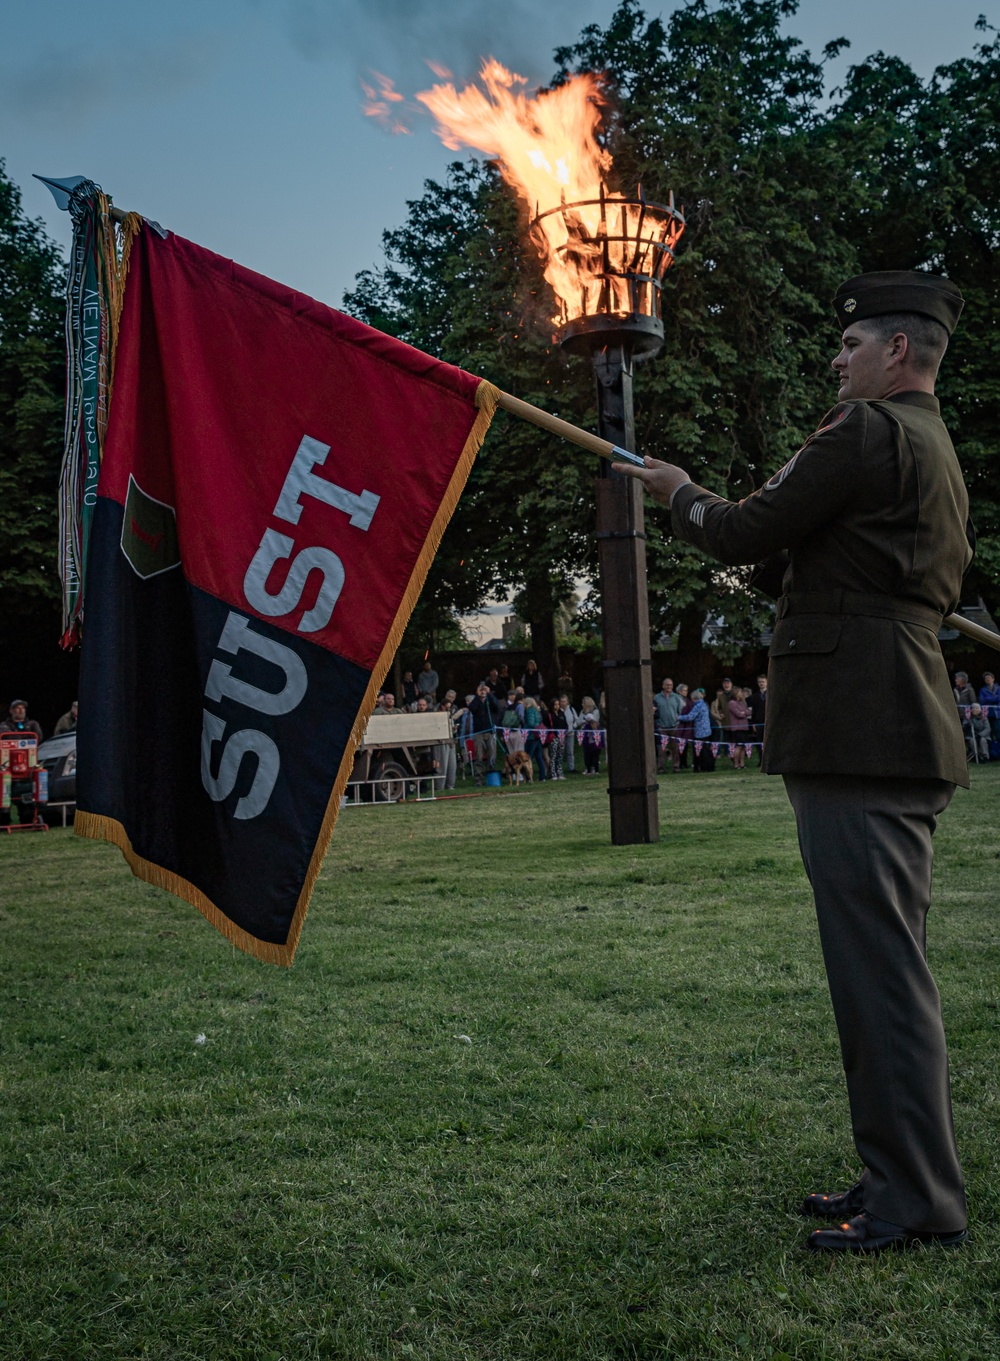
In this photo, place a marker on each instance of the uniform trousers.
(866, 847)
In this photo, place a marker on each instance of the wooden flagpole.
(605, 449)
(593, 443)
(971, 630)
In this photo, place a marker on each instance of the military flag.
(276, 478)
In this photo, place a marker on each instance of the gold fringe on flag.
(97, 827)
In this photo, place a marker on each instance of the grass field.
(523, 1095)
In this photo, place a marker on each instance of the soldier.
(864, 536)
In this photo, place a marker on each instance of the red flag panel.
(276, 480)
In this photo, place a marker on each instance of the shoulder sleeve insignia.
(782, 473)
(780, 476)
(841, 415)
(697, 514)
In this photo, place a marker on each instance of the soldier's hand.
(660, 479)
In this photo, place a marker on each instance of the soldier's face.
(865, 366)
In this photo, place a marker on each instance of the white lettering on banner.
(239, 744)
(237, 636)
(302, 481)
(275, 547)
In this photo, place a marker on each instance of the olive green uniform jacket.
(865, 527)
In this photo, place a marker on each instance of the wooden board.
(404, 730)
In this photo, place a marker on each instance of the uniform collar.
(922, 399)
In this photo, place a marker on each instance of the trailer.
(395, 758)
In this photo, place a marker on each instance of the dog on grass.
(517, 764)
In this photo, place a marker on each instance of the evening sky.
(238, 123)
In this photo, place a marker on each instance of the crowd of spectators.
(687, 727)
(506, 715)
(980, 715)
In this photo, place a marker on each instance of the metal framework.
(621, 248)
(623, 263)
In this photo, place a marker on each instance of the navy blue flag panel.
(171, 676)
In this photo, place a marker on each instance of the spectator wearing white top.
(571, 718)
(445, 753)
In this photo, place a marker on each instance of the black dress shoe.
(839, 1206)
(865, 1233)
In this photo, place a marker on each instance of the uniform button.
(791, 642)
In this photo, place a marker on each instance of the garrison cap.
(899, 290)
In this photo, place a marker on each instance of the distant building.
(514, 631)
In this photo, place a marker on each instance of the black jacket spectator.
(758, 707)
(486, 711)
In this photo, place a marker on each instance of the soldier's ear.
(899, 348)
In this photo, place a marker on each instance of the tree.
(786, 195)
(721, 106)
(32, 386)
(927, 159)
(32, 381)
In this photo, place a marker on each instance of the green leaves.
(32, 381)
(724, 109)
(926, 170)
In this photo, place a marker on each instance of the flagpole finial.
(61, 189)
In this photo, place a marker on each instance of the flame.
(601, 251)
(440, 71)
(378, 103)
